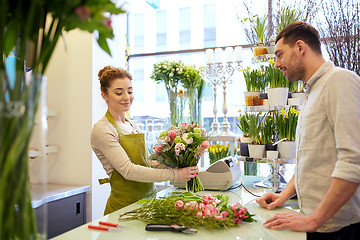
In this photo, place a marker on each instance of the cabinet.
(59, 208)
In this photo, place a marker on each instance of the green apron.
(124, 192)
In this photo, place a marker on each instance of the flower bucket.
(244, 150)
(252, 98)
(278, 96)
(287, 149)
(299, 95)
(256, 150)
(294, 101)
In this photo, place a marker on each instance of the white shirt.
(328, 142)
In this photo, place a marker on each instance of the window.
(161, 31)
(139, 33)
(209, 25)
(184, 28)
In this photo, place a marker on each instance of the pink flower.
(235, 207)
(208, 199)
(158, 148)
(179, 204)
(219, 217)
(201, 206)
(178, 148)
(205, 144)
(191, 205)
(224, 214)
(172, 134)
(207, 213)
(82, 12)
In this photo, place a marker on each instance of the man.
(327, 174)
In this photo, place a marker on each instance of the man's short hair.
(300, 31)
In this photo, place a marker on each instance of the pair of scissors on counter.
(106, 228)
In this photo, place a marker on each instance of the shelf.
(263, 58)
(265, 108)
(48, 149)
(52, 113)
(267, 160)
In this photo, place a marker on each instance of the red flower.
(205, 144)
(107, 23)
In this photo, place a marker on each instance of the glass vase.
(19, 98)
(192, 100)
(174, 111)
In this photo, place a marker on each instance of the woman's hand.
(185, 174)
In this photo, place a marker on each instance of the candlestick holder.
(219, 74)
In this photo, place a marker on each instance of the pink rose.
(207, 213)
(179, 204)
(199, 214)
(205, 144)
(224, 213)
(172, 134)
(201, 206)
(82, 12)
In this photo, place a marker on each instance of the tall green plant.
(30, 31)
(255, 79)
(259, 24)
(286, 122)
(255, 122)
(243, 123)
(268, 129)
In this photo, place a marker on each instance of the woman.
(121, 148)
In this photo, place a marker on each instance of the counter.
(55, 204)
(136, 229)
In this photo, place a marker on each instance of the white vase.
(277, 96)
(256, 150)
(287, 149)
(299, 95)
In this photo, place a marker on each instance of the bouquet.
(217, 152)
(182, 146)
(188, 209)
(286, 122)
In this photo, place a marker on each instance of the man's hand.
(271, 200)
(292, 220)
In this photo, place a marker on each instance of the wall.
(73, 90)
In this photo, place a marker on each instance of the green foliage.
(170, 73)
(255, 124)
(255, 79)
(286, 17)
(259, 24)
(243, 123)
(276, 77)
(268, 128)
(286, 122)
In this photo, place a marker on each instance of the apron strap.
(112, 121)
(104, 180)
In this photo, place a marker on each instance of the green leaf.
(11, 34)
(103, 43)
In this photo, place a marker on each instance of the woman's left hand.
(185, 174)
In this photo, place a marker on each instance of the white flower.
(171, 74)
(186, 138)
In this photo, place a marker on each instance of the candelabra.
(219, 74)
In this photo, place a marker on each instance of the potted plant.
(255, 81)
(268, 132)
(298, 93)
(244, 127)
(256, 147)
(260, 26)
(278, 91)
(286, 122)
(286, 17)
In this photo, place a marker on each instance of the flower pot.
(287, 149)
(256, 150)
(270, 147)
(252, 98)
(294, 101)
(299, 95)
(260, 49)
(272, 154)
(278, 96)
(244, 150)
